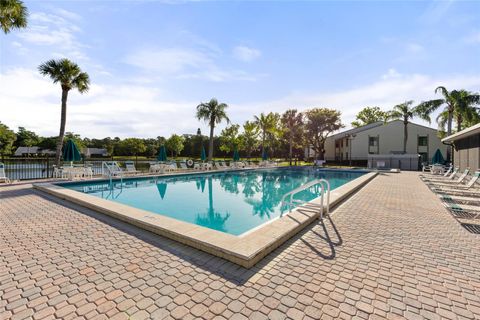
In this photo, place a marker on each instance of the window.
(372, 141)
(423, 141)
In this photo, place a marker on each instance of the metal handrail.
(110, 173)
(324, 185)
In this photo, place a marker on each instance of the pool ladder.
(108, 171)
(324, 185)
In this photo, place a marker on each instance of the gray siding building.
(466, 148)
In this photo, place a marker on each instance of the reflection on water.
(232, 202)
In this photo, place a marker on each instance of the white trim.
(463, 134)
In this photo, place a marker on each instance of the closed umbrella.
(162, 155)
(265, 154)
(236, 156)
(71, 152)
(438, 157)
(203, 155)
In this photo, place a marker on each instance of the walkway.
(391, 251)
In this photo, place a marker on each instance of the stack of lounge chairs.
(460, 193)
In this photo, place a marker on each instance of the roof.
(371, 126)
(28, 150)
(95, 151)
(463, 134)
(358, 129)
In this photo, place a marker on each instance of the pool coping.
(245, 250)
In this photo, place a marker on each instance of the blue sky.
(152, 62)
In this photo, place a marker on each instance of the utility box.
(409, 162)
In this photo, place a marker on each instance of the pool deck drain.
(245, 250)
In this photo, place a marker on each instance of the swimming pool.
(232, 202)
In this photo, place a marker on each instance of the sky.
(152, 62)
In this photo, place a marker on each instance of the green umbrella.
(162, 155)
(71, 152)
(437, 157)
(236, 156)
(203, 155)
(265, 154)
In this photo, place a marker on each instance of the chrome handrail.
(325, 186)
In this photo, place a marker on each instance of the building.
(466, 148)
(33, 151)
(382, 138)
(94, 152)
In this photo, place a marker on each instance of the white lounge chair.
(462, 187)
(452, 184)
(130, 168)
(3, 175)
(449, 175)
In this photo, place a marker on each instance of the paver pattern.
(391, 251)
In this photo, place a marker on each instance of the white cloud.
(56, 31)
(473, 38)
(246, 54)
(415, 48)
(140, 109)
(185, 63)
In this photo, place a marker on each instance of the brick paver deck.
(391, 251)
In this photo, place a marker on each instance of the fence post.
(48, 168)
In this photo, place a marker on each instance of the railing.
(324, 188)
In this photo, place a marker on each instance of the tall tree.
(70, 76)
(213, 113)
(131, 147)
(406, 112)
(26, 138)
(267, 125)
(230, 138)
(249, 137)
(453, 101)
(369, 115)
(13, 15)
(175, 144)
(7, 138)
(292, 122)
(320, 123)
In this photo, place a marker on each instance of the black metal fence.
(42, 168)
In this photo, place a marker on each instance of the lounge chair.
(460, 199)
(130, 168)
(463, 211)
(449, 175)
(457, 183)
(183, 166)
(3, 176)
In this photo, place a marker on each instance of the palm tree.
(405, 112)
(292, 121)
(214, 113)
(70, 76)
(267, 125)
(455, 101)
(13, 15)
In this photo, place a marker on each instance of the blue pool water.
(232, 202)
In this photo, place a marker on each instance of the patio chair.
(130, 168)
(3, 176)
(183, 166)
(460, 199)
